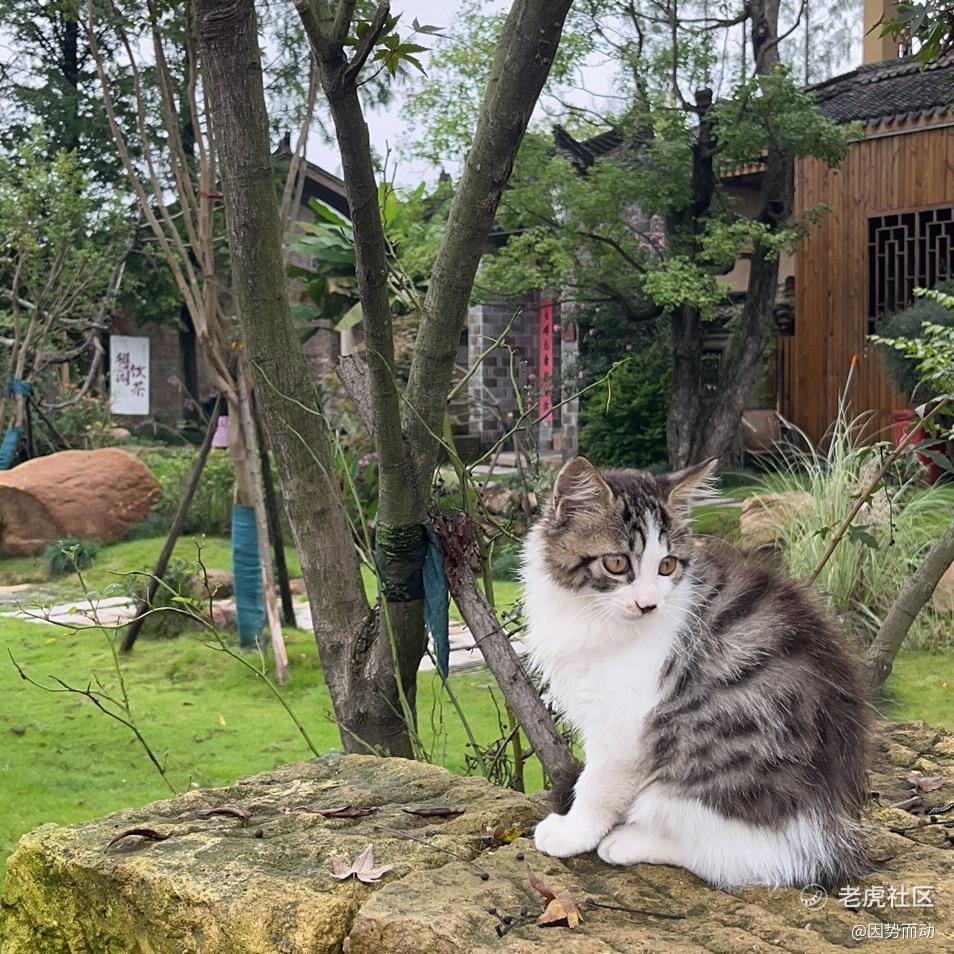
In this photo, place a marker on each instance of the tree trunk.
(357, 661)
(403, 494)
(685, 387)
(717, 433)
(720, 436)
(879, 659)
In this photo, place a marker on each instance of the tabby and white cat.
(723, 725)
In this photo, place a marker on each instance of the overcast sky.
(387, 124)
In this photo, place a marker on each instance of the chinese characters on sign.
(546, 359)
(129, 374)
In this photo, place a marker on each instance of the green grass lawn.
(61, 760)
(115, 560)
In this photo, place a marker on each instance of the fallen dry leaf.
(231, 811)
(361, 868)
(148, 833)
(500, 835)
(434, 811)
(560, 906)
(347, 811)
(925, 783)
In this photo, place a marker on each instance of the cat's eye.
(667, 566)
(616, 563)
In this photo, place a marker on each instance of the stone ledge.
(217, 887)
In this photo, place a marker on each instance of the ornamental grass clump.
(894, 529)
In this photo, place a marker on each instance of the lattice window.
(907, 250)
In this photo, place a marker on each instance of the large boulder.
(218, 886)
(93, 495)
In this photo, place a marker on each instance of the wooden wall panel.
(883, 174)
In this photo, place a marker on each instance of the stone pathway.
(25, 602)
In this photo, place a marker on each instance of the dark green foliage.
(211, 510)
(623, 420)
(177, 591)
(505, 562)
(931, 24)
(51, 81)
(902, 369)
(68, 555)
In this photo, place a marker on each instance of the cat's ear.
(693, 485)
(579, 486)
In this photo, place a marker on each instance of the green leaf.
(425, 28)
(936, 457)
(863, 536)
(415, 62)
(304, 311)
(327, 213)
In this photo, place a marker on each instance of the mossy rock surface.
(217, 886)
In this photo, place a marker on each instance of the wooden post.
(274, 521)
(64, 443)
(132, 630)
(30, 442)
(247, 423)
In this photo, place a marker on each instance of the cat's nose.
(648, 608)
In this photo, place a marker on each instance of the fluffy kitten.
(723, 725)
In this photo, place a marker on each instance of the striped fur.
(724, 725)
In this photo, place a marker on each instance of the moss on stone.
(218, 887)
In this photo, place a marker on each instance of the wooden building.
(890, 230)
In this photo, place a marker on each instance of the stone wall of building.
(492, 402)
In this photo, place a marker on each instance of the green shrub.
(86, 422)
(67, 555)
(885, 544)
(211, 510)
(623, 421)
(505, 562)
(902, 363)
(179, 582)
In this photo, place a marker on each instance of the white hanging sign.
(129, 374)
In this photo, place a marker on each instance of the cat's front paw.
(561, 836)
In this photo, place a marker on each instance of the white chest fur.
(603, 671)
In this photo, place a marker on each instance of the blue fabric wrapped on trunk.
(436, 600)
(247, 577)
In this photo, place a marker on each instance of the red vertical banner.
(546, 358)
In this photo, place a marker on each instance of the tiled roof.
(892, 91)
(583, 153)
(889, 92)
